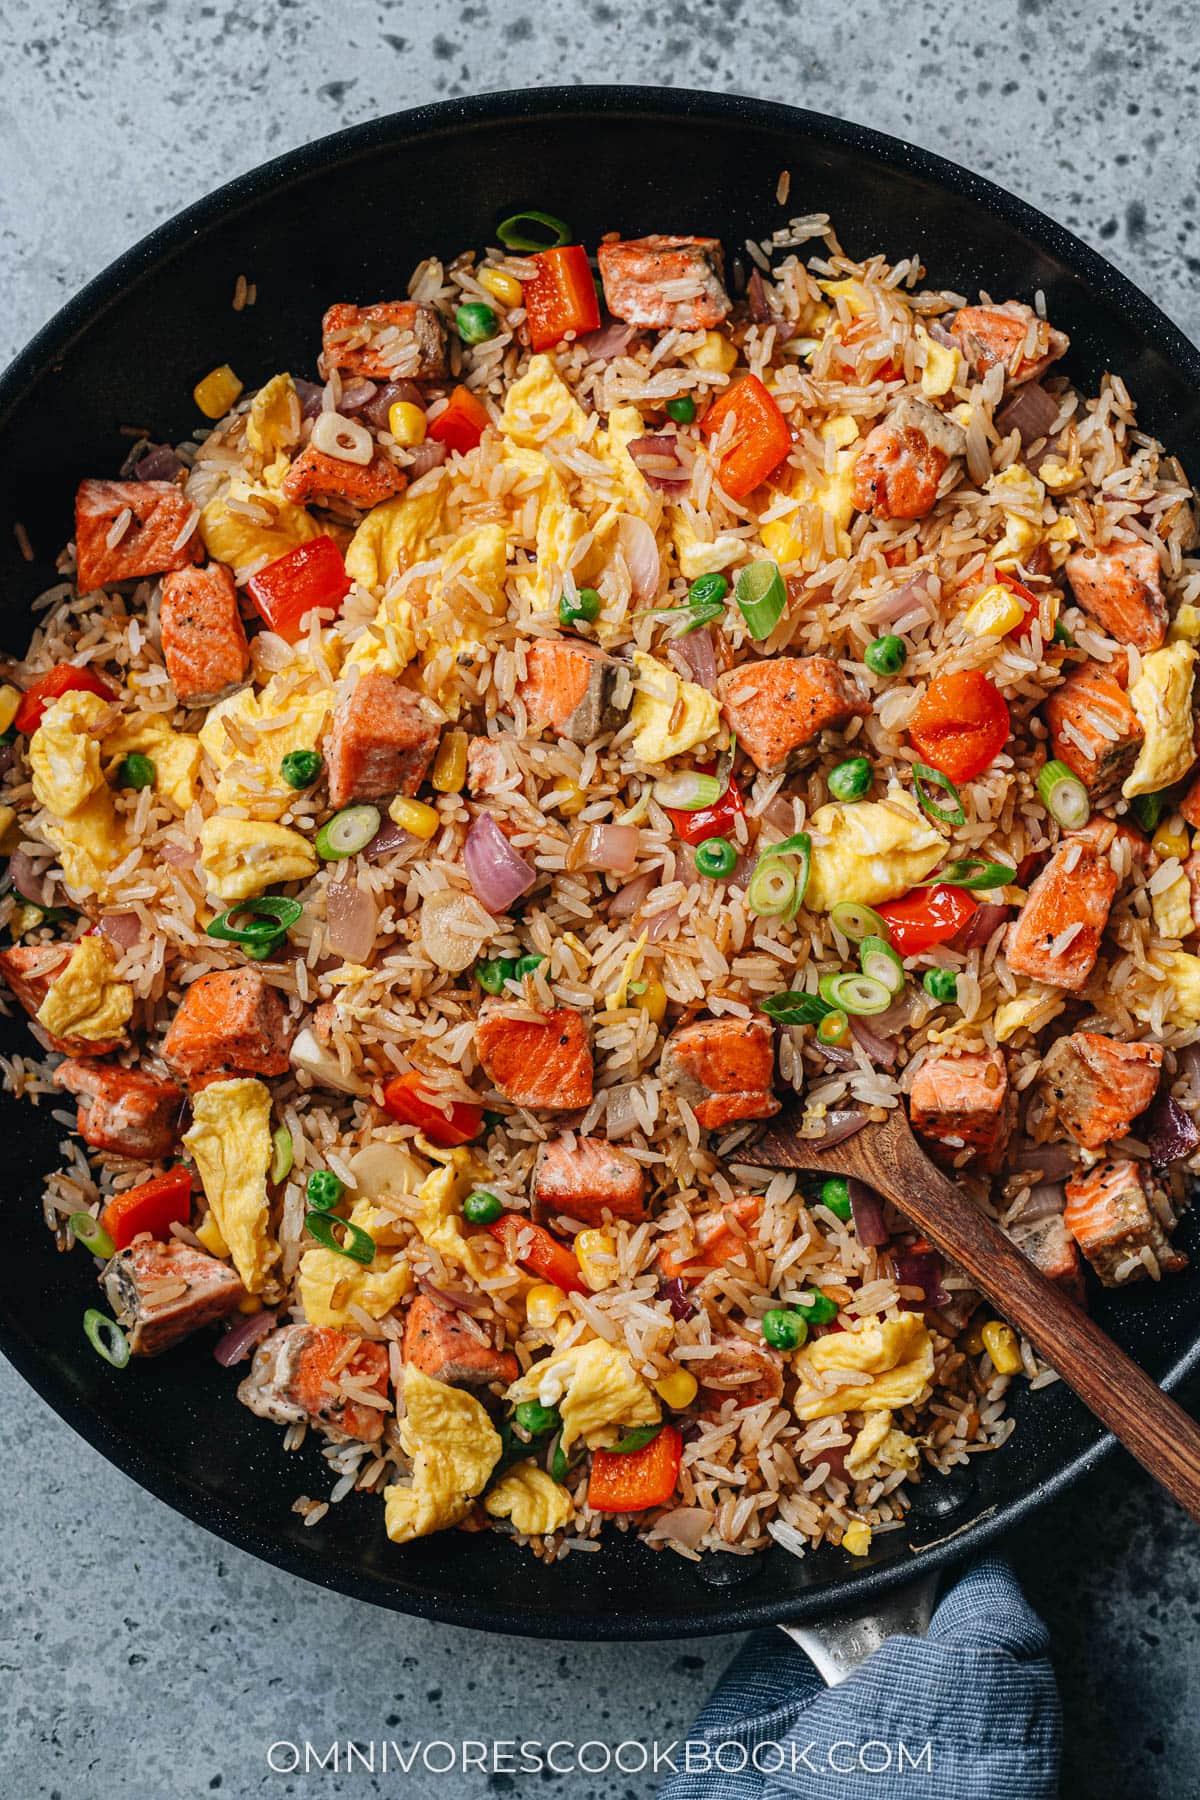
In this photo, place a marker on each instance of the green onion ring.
(879, 962)
(761, 595)
(359, 1246)
(959, 874)
(282, 1154)
(512, 237)
(772, 891)
(856, 921)
(91, 1234)
(637, 1439)
(106, 1337)
(270, 917)
(687, 792)
(922, 772)
(859, 995)
(795, 1008)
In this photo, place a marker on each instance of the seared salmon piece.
(543, 1062)
(1096, 1086)
(155, 539)
(723, 1068)
(1110, 1216)
(962, 1102)
(315, 476)
(231, 1022)
(1122, 589)
(123, 1110)
(988, 335)
(897, 471)
(587, 1179)
(318, 1374)
(161, 1293)
(781, 705)
(1056, 936)
(1105, 832)
(440, 1345)
(1189, 806)
(486, 767)
(393, 340)
(569, 687)
(203, 639)
(1094, 729)
(665, 283)
(716, 1239)
(1051, 1248)
(380, 742)
(30, 971)
(746, 1373)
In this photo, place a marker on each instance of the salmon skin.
(232, 1022)
(569, 686)
(316, 476)
(1110, 1216)
(292, 1380)
(665, 283)
(1076, 888)
(389, 341)
(380, 742)
(161, 1293)
(1122, 589)
(902, 461)
(1051, 1248)
(716, 1238)
(543, 1062)
(1092, 704)
(748, 1374)
(1096, 1086)
(723, 1068)
(989, 335)
(155, 540)
(962, 1102)
(586, 1180)
(123, 1110)
(203, 639)
(780, 706)
(440, 1345)
(30, 971)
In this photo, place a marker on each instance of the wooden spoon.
(887, 1158)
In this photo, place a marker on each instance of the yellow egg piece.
(64, 753)
(671, 716)
(279, 719)
(596, 1389)
(86, 1000)
(870, 850)
(540, 407)
(230, 1144)
(273, 422)
(242, 857)
(454, 1448)
(1162, 699)
(331, 1284)
(247, 544)
(528, 1497)
(894, 1357)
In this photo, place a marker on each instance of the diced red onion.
(159, 464)
(890, 607)
(380, 401)
(639, 547)
(1188, 1063)
(686, 1524)
(123, 928)
(921, 1269)
(756, 299)
(237, 1344)
(838, 1056)
(676, 1297)
(311, 395)
(941, 336)
(1031, 412)
(658, 463)
(698, 657)
(867, 1209)
(180, 856)
(882, 1049)
(1044, 1200)
(27, 884)
(356, 393)
(611, 848)
(389, 837)
(498, 875)
(780, 814)
(456, 1299)
(611, 340)
(429, 455)
(351, 918)
(840, 1125)
(8, 756)
(1167, 1131)
(628, 899)
(661, 925)
(979, 928)
(1053, 1162)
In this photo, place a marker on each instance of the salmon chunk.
(486, 767)
(123, 1110)
(569, 687)
(739, 1371)
(441, 1346)
(318, 477)
(962, 1102)
(587, 1179)
(319, 1374)
(897, 471)
(723, 1068)
(1104, 832)
(203, 639)
(1096, 1086)
(230, 1022)
(1110, 1215)
(1056, 936)
(155, 539)
(544, 1062)
(1094, 729)
(1011, 334)
(1051, 1248)
(30, 971)
(393, 340)
(1122, 589)
(715, 1239)
(665, 283)
(1189, 806)
(161, 1293)
(379, 744)
(781, 705)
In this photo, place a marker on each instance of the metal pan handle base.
(836, 1646)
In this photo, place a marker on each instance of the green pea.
(492, 975)
(300, 768)
(537, 1419)
(851, 779)
(818, 1308)
(835, 1194)
(481, 1208)
(783, 1330)
(708, 590)
(324, 1189)
(136, 772)
(476, 322)
(682, 409)
(525, 965)
(887, 655)
(940, 984)
(715, 858)
(585, 607)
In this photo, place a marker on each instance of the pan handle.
(837, 1645)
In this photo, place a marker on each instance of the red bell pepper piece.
(155, 1206)
(405, 1100)
(926, 917)
(709, 821)
(63, 678)
(535, 1249)
(639, 1479)
(761, 438)
(463, 423)
(961, 724)
(560, 297)
(312, 574)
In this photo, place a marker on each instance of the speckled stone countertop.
(140, 1656)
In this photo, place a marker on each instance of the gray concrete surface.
(139, 1656)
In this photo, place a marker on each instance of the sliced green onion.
(879, 962)
(795, 1008)
(972, 872)
(761, 595)
(940, 984)
(359, 1245)
(1061, 635)
(324, 1189)
(943, 815)
(725, 762)
(91, 1234)
(558, 1465)
(834, 1029)
(348, 832)
(709, 590)
(106, 1337)
(1064, 795)
(513, 235)
(270, 915)
(772, 891)
(715, 858)
(856, 921)
(687, 792)
(1148, 810)
(282, 1155)
(859, 995)
(637, 1439)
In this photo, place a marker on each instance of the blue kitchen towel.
(969, 1713)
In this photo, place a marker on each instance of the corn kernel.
(251, 1304)
(407, 423)
(597, 1257)
(217, 392)
(10, 699)
(502, 286)
(1171, 838)
(543, 1303)
(568, 797)
(450, 763)
(996, 611)
(653, 1000)
(856, 1539)
(1000, 1342)
(715, 353)
(414, 816)
(677, 1390)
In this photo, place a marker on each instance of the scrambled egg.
(230, 1144)
(876, 850)
(272, 424)
(618, 997)
(879, 1446)
(1185, 626)
(243, 543)
(436, 1210)
(941, 366)
(799, 534)
(541, 405)
(1172, 909)
(86, 1000)
(1181, 973)
(698, 556)
(64, 753)
(1162, 699)
(454, 1449)
(175, 755)
(252, 779)
(1024, 528)
(1029, 1010)
(671, 715)
(394, 535)
(896, 1356)
(852, 292)
(634, 493)
(595, 1387)
(90, 844)
(535, 1504)
(330, 1284)
(241, 857)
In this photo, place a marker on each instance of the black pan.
(346, 218)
